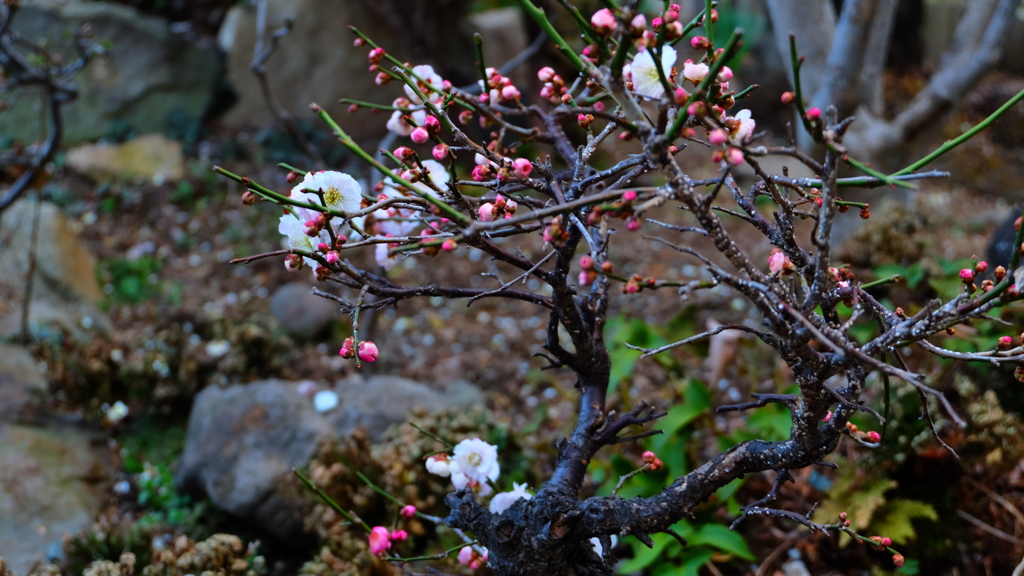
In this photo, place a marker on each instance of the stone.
(53, 481)
(316, 62)
(65, 290)
(150, 157)
(21, 381)
(150, 80)
(244, 440)
(301, 314)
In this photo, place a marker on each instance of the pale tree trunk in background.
(844, 61)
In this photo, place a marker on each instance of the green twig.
(438, 556)
(327, 499)
(430, 434)
(479, 41)
(881, 282)
(542, 20)
(798, 93)
(949, 145)
(872, 172)
(730, 48)
(291, 168)
(274, 196)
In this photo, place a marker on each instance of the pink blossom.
(481, 173)
(449, 244)
(380, 540)
(725, 74)
(699, 43)
(718, 136)
(967, 275)
(585, 278)
(466, 555)
(368, 351)
(873, 437)
(510, 93)
(331, 257)
(603, 22)
(743, 128)
(487, 212)
(813, 114)
(522, 167)
(440, 152)
(546, 74)
(586, 262)
(403, 153)
(629, 196)
(694, 72)
(778, 262)
(420, 135)
(407, 511)
(432, 124)
(399, 536)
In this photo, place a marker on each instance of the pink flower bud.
(584, 120)
(348, 349)
(813, 114)
(584, 279)
(725, 75)
(699, 43)
(545, 74)
(788, 97)
(981, 267)
(322, 247)
(586, 262)
(440, 152)
(403, 153)
(368, 351)
(407, 511)
(420, 135)
(433, 125)
(718, 136)
(697, 109)
(310, 228)
(778, 262)
(380, 540)
(382, 79)
(466, 555)
(510, 93)
(399, 536)
(734, 156)
(293, 262)
(638, 25)
(629, 196)
(603, 22)
(671, 15)
(1005, 342)
(657, 24)
(873, 437)
(967, 275)
(522, 167)
(332, 257)
(481, 173)
(449, 244)
(649, 456)
(681, 96)
(632, 224)
(886, 542)
(465, 117)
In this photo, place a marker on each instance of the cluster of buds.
(554, 85)
(621, 209)
(501, 208)
(587, 272)
(366, 351)
(430, 129)
(381, 539)
(668, 23)
(652, 461)
(880, 542)
(312, 228)
(498, 89)
(470, 557)
(870, 436)
(555, 233)
(636, 283)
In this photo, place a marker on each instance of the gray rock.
(151, 80)
(65, 291)
(20, 381)
(150, 157)
(301, 314)
(53, 481)
(244, 440)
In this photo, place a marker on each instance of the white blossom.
(503, 500)
(477, 459)
(432, 84)
(646, 81)
(745, 128)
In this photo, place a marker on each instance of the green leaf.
(644, 556)
(720, 537)
(894, 519)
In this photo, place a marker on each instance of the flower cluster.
(381, 539)
(468, 556)
(473, 463)
(310, 231)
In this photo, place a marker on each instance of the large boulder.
(150, 80)
(53, 481)
(65, 291)
(302, 314)
(21, 382)
(315, 63)
(244, 440)
(150, 157)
